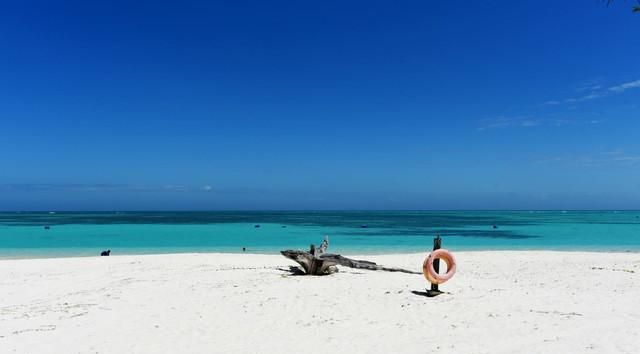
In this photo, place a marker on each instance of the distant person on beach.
(105, 253)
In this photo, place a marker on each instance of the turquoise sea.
(27, 235)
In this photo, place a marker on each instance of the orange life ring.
(431, 274)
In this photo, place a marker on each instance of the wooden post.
(437, 244)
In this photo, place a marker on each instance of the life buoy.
(431, 274)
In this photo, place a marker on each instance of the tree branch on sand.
(317, 262)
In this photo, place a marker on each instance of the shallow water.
(23, 235)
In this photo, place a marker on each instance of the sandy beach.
(498, 302)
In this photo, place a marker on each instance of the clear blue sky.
(113, 105)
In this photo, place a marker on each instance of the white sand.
(498, 302)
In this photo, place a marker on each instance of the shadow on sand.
(428, 293)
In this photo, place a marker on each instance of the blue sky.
(319, 105)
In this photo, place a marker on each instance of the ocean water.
(25, 235)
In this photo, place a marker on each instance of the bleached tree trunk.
(317, 262)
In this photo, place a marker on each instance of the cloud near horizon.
(98, 187)
(597, 91)
(599, 159)
(523, 122)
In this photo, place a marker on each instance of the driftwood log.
(318, 262)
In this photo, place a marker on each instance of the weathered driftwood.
(312, 261)
(317, 262)
(311, 265)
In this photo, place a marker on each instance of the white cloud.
(588, 97)
(522, 122)
(173, 187)
(589, 85)
(600, 159)
(630, 159)
(529, 123)
(65, 187)
(589, 88)
(100, 187)
(597, 91)
(625, 86)
(502, 122)
(616, 152)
